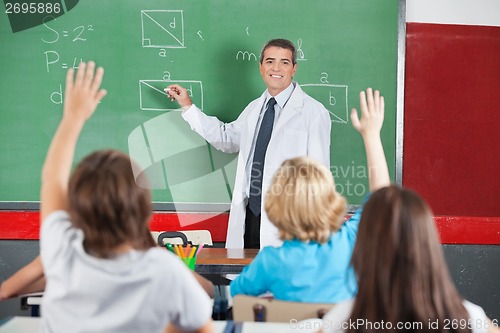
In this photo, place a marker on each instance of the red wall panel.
(452, 229)
(451, 152)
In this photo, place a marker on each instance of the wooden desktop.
(224, 261)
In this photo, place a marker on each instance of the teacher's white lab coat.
(303, 128)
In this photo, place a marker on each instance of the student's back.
(137, 291)
(299, 271)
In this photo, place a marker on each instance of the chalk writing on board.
(79, 33)
(152, 97)
(162, 28)
(249, 56)
(245, 55)
(300, 53)
(56, 96)
(324, 77)
(199, 34)
(52, 58)
(333, 96)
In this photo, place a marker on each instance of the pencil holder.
(190, 262)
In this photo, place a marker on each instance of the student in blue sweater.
(313, 264)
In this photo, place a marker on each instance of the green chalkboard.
(211, 47)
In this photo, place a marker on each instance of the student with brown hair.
(312, 265)
(404, 284)
(103, 271)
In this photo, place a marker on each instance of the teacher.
(284, 122)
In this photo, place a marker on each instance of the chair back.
(249, 308)
(193, 237)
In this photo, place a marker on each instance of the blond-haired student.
(312, 265)
(102, 269)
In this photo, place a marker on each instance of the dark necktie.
(266, 128)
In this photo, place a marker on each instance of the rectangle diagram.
(333, 96)
(162, 28)
(152, 96)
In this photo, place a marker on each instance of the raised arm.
(28, 279)
(80, 101)
(369, 126)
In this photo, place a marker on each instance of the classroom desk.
(223, 261)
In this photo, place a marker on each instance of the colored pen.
(177, 250)
(181, 251)
(170, 248)
(192, 252)
(187, 250)
(199, 249)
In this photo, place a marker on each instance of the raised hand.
(372, 113)
(83, 91)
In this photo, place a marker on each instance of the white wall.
(466, 12)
